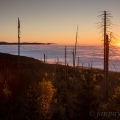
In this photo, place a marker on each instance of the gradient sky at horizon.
(56, 21)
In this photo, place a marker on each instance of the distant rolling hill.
(25, 43)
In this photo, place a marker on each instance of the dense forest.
(33, 90)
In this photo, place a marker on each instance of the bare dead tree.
(18, 37)
(73, 58)
(76, 39)
(65, 55)
(19, 47)
(44, 58)
(65, 62)
(105, 25)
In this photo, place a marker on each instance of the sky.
(55, 21)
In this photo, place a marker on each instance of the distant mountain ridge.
(24, 43)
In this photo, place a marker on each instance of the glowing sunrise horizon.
(56, 21)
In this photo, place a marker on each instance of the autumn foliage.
(53, 92)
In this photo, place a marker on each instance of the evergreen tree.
(30, 107)
(86, 99)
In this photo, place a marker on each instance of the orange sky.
(56, 21)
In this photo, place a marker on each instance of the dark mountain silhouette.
(25, 43)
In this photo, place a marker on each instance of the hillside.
(73, 93)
